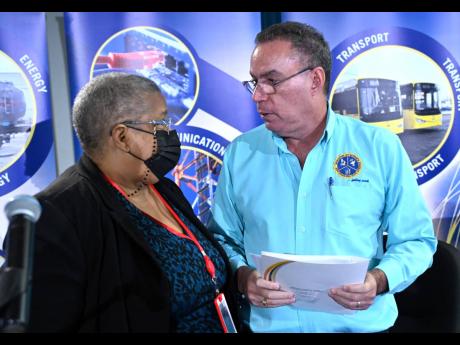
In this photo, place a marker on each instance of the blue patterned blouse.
(192, 291)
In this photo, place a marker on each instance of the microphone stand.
(16, 278)
(10, 286)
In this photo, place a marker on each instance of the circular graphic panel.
(158, 55)
(411, 99)
(402, 80)
(196, 174)
(17, 112)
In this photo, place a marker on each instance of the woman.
(118, 247)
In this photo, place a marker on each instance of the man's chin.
(271, 127)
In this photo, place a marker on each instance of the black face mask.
(166, 155)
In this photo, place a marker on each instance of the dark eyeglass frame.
(251, 85)
(129, 123)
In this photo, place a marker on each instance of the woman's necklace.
(141, 185)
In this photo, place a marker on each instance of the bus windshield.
(379, 100)
(426, 99)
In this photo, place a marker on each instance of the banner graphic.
(393, 70)
(27, 161)
(198, 72)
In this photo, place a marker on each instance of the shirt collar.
(330, 124)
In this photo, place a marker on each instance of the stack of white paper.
(311, 276)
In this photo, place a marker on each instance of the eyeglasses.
(269, 85)
(164, 124)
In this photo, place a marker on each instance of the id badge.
(224, 314)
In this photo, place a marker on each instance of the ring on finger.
(264, 302)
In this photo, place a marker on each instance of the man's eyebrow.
(268, 73)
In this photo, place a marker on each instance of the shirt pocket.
(354, 210)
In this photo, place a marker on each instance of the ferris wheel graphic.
(196, 174)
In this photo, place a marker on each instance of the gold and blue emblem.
(347, 165)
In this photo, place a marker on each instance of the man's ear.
(120, 137)
(319, 78)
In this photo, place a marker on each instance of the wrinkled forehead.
(272, 57)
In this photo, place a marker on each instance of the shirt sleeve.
(226, 223)
(411, 241)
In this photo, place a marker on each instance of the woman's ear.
(120, 137)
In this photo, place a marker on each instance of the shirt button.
(301, 228)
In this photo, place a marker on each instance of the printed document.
(311, 276)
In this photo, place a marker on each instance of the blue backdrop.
(198, 60)
(27, 161)
(408, 47)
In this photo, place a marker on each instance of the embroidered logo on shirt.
(347, 165)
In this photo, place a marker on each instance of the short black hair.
(308, 42)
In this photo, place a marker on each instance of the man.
(312, 182)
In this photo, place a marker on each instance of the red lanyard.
(208, 262)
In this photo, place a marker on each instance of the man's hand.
(261, 292)
(361, 296)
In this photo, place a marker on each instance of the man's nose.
(259, 94)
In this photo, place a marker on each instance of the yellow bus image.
(373, 100)
(420, 102)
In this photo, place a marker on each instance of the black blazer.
(93, 271)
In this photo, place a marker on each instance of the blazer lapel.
(108, 195)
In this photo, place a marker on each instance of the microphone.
(15, 282)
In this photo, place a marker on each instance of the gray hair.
(306, 40)
(105, 101)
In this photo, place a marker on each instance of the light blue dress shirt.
(356, 183)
